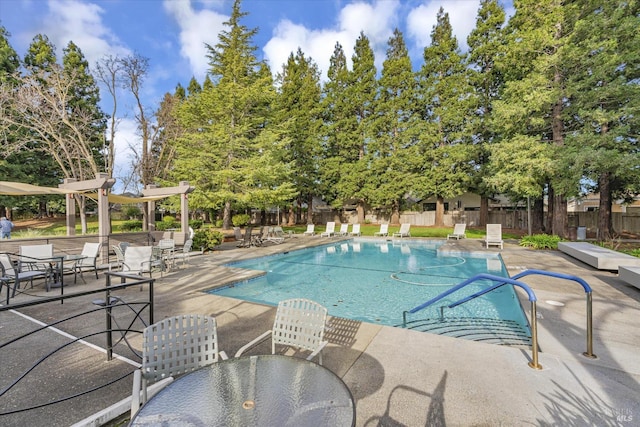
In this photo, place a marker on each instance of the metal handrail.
(109, 330)
(587, 290)
(503, 280)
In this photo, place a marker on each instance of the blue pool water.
(375, 281)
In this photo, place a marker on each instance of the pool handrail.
(588, 292)
(481, 276)
(503, 280)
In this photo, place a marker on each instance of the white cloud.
(81, 22)
(422, 19)
(376, 20)
(196, 29)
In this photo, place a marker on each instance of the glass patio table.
(267, 390)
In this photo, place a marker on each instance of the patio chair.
(174, 346)
(459, 232)
(245, 241)
(344, 230)
(330, 230)
(404, 231)
(117, 249)
(184, 254)
(138, 260)
(29, 260)
(11, 274)
(384, 230)
(355, 231)
(269, 236)
(90, 252)
(310, 230)
(494, 235)
(167, 248)
(299, 323)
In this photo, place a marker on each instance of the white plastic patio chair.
(330, 230)
(299, 323)
(384, 230)
(494, 235)
(344, 229)
(459, 232)
(355, 231)
(174, 346)
(310, 230)
(404, 231)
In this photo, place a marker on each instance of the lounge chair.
(344, 230)
(458, 232)
(245, 241)
(330, 230)
(384, 230)
(310, 230)
(268, 236)
(174, 346)
(355, 231)
(404, 231)
(494, 235)
(299, 323)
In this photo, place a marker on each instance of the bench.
(598, 257)
(631, 275)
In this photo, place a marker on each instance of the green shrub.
(540, 241)
(167, 224)
(131, 225)
(131, 212)
(219, 223)
(240, 220)
(196, 224)
(207, 239)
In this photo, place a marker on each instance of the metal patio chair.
(299, 323)
(174, 346)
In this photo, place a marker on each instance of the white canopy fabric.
(21, 189)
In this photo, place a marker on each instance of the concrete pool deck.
(397, 377)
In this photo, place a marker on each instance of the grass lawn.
(57, 227)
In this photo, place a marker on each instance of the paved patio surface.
(397, 377)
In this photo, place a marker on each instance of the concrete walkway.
(397, 377)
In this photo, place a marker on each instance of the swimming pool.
(375, 281)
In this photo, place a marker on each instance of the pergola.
(102, 183)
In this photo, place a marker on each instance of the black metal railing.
(122, 319)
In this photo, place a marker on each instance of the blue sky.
(172, 34)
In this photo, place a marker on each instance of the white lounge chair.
(344, 229)
(330, 230)
(404, 231)
(299, 323)
(384, 230)
(355, 231)
(459, 232)
(174, 346)
(310, 230)
(494, 235)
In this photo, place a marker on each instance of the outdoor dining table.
(265, 390)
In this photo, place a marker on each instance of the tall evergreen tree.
(602, 59)
(227, 150)
(343, 171)
(530, 114)
(391, 151)
(298, 110)
(445, 152)
(485, 45)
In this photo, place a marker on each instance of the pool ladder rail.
(501, 281)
